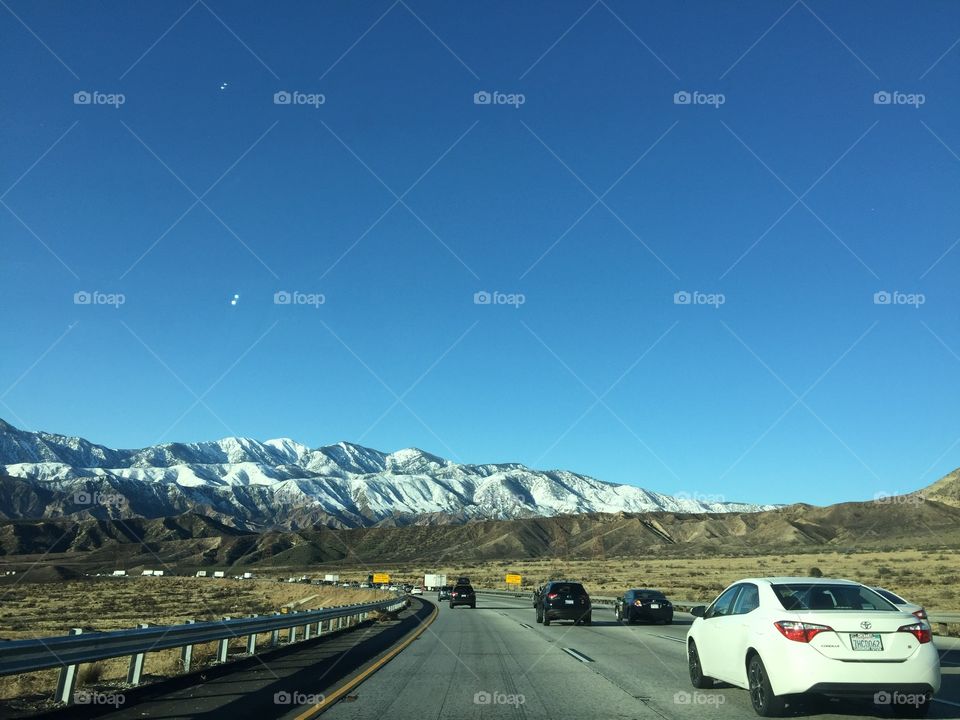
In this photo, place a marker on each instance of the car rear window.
(649, 594)
(892, 597)
(823, 596)
(568, 589)
(463, 588)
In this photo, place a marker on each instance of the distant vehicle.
(443, 593)
(779, 637)
(564, 600)
(345, 584)
(385, 586)
(365, 585)
(463, 594)
(432, 581)
(394, 588)
(643, 605)
(417, 590)
(917, 611)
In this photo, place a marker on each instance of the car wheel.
(588, 620)
(913, 711)
(546, 620)
(539, 617)
(697, 678)
(473, 606)
(764, 702)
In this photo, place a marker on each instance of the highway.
(481, 663)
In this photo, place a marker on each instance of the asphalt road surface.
(497, 662)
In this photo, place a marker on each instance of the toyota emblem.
(866, 624)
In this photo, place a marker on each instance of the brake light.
(920, 614)
(920, 630)
(638, 603)
(551, 596)
(800, 631)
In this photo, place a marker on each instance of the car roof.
(636, 590)
(787, 580)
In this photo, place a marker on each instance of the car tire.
(619, 614)
(546, 620)
(539, 617)
(697, 678)
(764, 702)
(588, 620)
(473, 606)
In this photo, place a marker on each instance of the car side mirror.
(698, 611)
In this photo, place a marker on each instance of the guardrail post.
(306, 631)
(292, 635)
(186, 653)
(135, 670)
(222, 648)
(275, 635)
(67, 680)
(252, 640)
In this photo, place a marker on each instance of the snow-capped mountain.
(283, 483)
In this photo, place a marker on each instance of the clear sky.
(780, 198)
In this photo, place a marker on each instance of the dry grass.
(31, 610)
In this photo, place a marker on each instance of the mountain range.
(283, 484)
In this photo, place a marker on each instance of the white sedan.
(782, 637)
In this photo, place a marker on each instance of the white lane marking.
(577, 656)
(946, 702)
(529, 627)
(669, 637)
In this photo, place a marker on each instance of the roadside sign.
(381, 578)
(513, 579)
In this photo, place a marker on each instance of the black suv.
(564, 600)
(643, 604)
(463, 595)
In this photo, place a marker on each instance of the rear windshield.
(649, 594)
(568, 589)
(895, 599)
(463, 588)
(823, 596)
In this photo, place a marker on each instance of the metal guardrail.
(69, 651)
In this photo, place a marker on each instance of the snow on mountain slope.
(273, 483)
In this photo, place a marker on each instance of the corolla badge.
(866, 624)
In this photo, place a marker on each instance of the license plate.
(866, 641)
(568, 602)
(654, 606)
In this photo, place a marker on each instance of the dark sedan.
(443, 593)
(463, 595)
(644, 605)
(564, 600)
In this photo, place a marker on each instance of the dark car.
(463, 595)
(564, 600)
(463, 580)
(644, 605)
(443, 593)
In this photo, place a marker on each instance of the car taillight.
(920, 614)
(800, 631)
(920, 630)
(638, 603)
(551, 596)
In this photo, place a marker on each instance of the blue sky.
(780, 199)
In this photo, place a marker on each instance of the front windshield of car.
(825, 596)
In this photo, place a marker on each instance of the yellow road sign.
(513, 579)
(381, 578)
